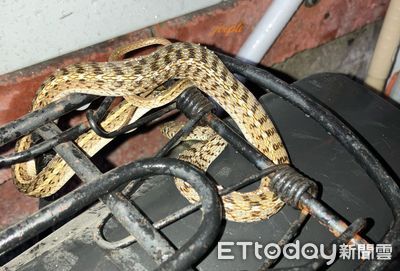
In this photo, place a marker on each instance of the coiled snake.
(135, 79)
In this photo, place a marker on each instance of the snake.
(136, 79)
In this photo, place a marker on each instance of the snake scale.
(136, 79)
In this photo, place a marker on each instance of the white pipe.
(268, 29)
(386, 47)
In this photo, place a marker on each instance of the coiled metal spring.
(193, 103)
(290, 185)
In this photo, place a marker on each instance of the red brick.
(14, 206)
(329, 19)
(199, 28)
(309, 27)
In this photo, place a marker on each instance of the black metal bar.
(385, 183)
(75, 158)
(42, 147)
(138, 225)
(181, 213)
(198, 245)
(33, 120)
(135, 223)
(305, 200)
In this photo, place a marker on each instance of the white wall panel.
(32, 31)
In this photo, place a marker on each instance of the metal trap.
(142, 223)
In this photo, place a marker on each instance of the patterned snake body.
(135, 79)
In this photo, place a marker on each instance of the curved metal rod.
(31, 121)
(42, 147)
(332, 124)
(185, 211)
(94, 122)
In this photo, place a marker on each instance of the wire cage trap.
(195, 249)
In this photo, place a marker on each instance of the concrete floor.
(348, 55)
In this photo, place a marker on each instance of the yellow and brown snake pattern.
(135, 79)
